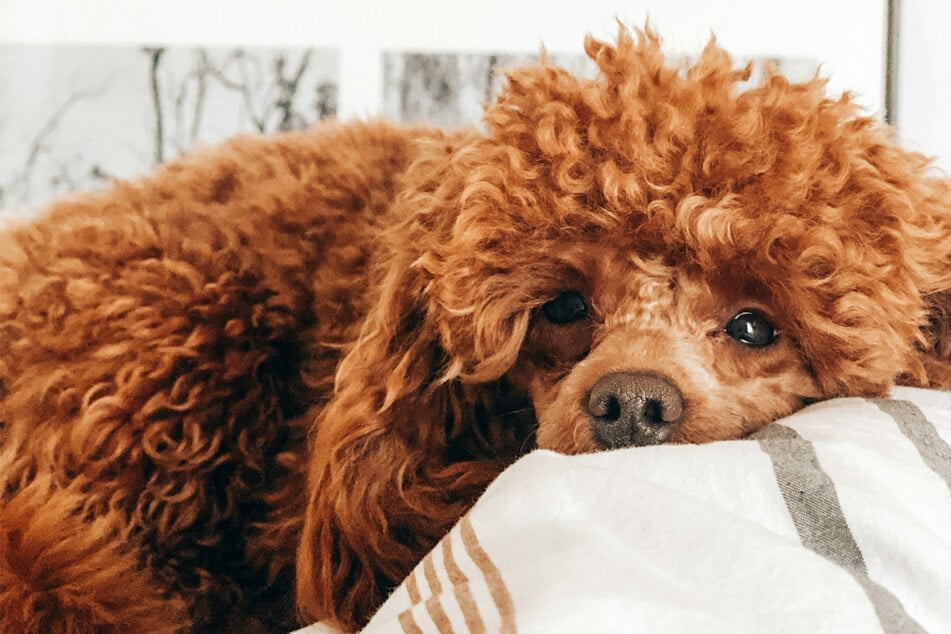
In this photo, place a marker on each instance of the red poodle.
(314, 351)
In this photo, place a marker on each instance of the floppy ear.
(400, 453)
(934, 257)
(914, 204)
(937, 357)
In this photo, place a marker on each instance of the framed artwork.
(92, 90)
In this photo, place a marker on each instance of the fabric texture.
(835, 519)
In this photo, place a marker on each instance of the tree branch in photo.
(20, 184)
(489, 76)
(188, 103)
(178, 93)
(258, 121)
(326, 103)
(239, 58)
(287, 91)
(201, 77)
(155, 55)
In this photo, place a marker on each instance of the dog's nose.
(633, 408)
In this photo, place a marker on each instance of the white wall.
(924, 78)
(846, 36)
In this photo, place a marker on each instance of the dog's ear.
(932, 255)
(913, 217)
(936, 356)
(884, 280)
(400, 452)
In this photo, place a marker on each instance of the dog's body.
(392, 315)
(120, 313)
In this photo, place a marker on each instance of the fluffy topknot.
(790, 190)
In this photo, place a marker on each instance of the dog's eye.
(568, 307)
(750, 327)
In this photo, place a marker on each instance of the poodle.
(313, 352)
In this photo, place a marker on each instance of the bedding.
(835, 519)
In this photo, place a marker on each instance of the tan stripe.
(412, 589)
(408, 623)
(460, 587)
(493, 578)
(433, 606)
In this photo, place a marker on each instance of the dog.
(312, 352)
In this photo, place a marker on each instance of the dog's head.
(653, 255)
(643, 257)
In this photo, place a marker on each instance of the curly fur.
(323, 346)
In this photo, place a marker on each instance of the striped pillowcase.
(836, 519)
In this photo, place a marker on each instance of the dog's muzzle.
(633, 408)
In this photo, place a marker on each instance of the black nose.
(633, 408)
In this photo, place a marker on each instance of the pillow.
(835, 519)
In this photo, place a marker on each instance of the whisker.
(524, 410)
(528, 443)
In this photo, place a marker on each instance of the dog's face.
(651, 257)
(628, 352)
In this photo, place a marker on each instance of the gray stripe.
(912, 422)
(814, 507)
